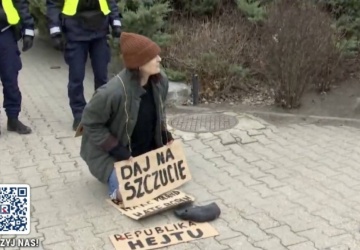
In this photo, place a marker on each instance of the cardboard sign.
(79, 130)
(152, 174)
(161, 203)
(162, 236)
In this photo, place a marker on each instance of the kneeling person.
(126, 117)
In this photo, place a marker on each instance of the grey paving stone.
(240, 242)
(286, 236)
(270, 244)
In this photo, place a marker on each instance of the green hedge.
(149, 17)
(230, 43)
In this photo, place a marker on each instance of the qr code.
(14, 209)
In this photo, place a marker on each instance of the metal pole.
(195, 89)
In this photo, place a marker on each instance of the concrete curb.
(325, 120)
(274, 117)
(178, 93)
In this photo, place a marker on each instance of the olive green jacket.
(106, 121)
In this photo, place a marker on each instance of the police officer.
(85, 26)
(15, 23)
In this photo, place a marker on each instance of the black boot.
(204, 213)
(76, 123)
(17, 126)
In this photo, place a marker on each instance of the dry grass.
(299, 50)
(216, 49)
(293, 49)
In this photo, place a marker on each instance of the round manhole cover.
(203, 122)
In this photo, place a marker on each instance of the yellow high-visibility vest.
(11, 12)
(70, 7)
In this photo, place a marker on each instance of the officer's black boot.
(17, 126)
(76, 123)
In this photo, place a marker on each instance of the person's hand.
(58, 42)
(120, 153)
(27, 43)
(116, 31)
(167, 138)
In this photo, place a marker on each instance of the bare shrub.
(216, 49)
(299, 50)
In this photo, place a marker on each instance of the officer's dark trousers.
(76, 53)
(10, 65)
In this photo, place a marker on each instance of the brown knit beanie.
(137, 50)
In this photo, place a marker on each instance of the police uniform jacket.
(83, 21)
(16, 13)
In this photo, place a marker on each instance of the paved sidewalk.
(290, 187)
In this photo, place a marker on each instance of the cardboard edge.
(79, 130)
(152, 213)
(213, 233)
(181, 147)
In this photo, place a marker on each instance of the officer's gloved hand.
(58, 42)
(27, 43)
(116, 31)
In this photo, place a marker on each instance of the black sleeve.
(27, 21)
(114, 13)
(53, 12)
